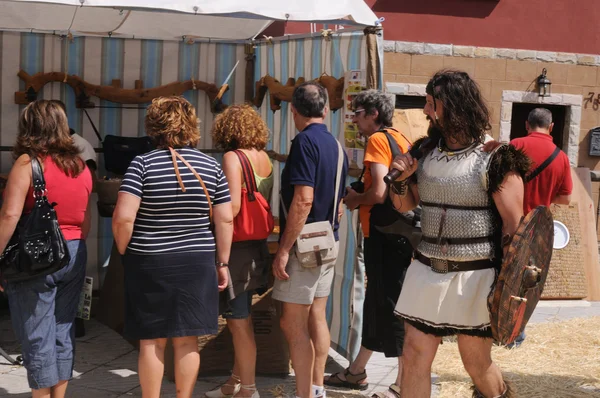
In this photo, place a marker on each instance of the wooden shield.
(521, 280)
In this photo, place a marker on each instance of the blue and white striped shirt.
(170, 220)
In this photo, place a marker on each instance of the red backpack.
(254, 221)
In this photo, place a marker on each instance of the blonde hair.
(240, 127)
(172, 122)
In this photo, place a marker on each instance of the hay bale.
(558, 359)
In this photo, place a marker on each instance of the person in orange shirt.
(386, 260)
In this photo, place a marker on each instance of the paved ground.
(105, 364)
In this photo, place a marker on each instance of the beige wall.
(496, 75)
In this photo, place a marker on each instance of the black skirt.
(386, 261)
(170, 295)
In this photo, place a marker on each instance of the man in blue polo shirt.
(307, 189)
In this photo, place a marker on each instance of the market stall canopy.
(158, 19)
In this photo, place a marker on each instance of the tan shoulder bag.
(315, 245)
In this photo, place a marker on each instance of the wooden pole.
(373, 62)
(250, 65)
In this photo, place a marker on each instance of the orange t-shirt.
(378, 151)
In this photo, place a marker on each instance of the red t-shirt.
(553, 180)
(70, 194)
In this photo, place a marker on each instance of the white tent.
(159, 19)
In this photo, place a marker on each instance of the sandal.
(392, 392)
(250, 387)
(352, 381)
(218, 392)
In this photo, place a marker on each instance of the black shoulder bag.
(391, 222)
(37, 247)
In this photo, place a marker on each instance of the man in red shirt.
(553, 184)
(549, 179)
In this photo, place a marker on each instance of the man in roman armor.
(472, 204)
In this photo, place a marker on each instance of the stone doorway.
(572, 117)
(520, 112)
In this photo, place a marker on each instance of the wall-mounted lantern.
(544, 84)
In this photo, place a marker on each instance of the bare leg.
(245, 355)
(187, 364)
(319, 335)
(360, 363)
(151, 366)
(294, 323)
(476, 354)
(60, 389)
(41, 393)
(398, 381)
(419, 352)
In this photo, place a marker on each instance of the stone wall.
(510, 75)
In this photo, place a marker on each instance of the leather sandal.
(352, 381)
(392, 392)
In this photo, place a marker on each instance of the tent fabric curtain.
(310, 58)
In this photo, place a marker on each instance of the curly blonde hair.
(172, 122)
(240, 127)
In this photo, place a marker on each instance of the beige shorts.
(304, 284)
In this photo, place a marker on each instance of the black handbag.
(120, 151)
(37, 247)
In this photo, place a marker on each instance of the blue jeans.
(43, 312)
(240, 307)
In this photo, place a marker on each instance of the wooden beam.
(113, 92)
(279, 92)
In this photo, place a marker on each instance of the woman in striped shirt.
(173, 222)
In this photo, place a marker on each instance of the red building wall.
(546, 25)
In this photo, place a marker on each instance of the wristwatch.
(220, 264)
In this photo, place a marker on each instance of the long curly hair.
(466, 115)
(172, 122)
(240, 127)
(43, 132)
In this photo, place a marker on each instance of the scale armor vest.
(457, 186)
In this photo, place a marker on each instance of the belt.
(457, 241)
(444, 266)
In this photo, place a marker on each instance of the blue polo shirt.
(312, 161)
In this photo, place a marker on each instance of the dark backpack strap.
(362, 173)
(393, 144)
(248, 172)
(542, 166)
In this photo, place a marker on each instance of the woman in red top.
(43, 309)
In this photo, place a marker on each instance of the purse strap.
(340, 164)
(37, 179)
(174, 156)
(248, 173)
